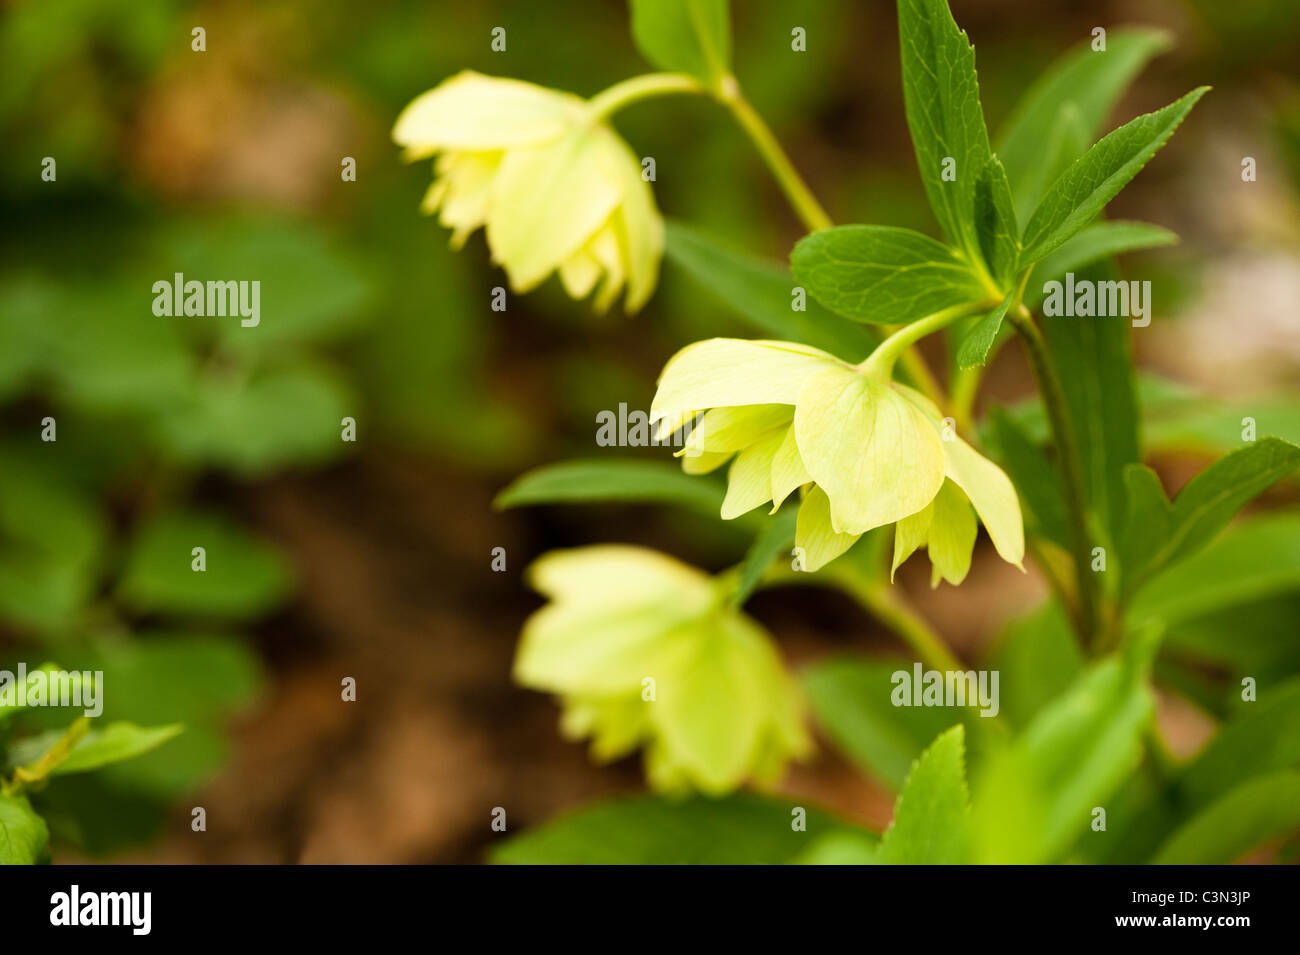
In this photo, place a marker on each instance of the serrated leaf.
(882, 274)
(244, 577)
(1243, 819)
(761, 293)
(995, 222)
(1090, 182)
(941, 93)
(1084, 82)
(633, 482)
(685, 36)
(932, 815)
(1098, 241)
(23, 834)
(742, 829)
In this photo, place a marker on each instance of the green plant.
(1141, 584)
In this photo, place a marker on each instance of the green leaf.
(23, 834)
(761, 293)
(1084, 82)
(882, 274)
(1257, 559)
(840, 848)
(1035, 477)
(1034, 798)
(743, 829)
(1098, 241)
(97, 748)
(1096, 177)
(1177, 418)
(633, 482)
(1160, 535)
(684, 36)
(1248, 816)
(244, 577)
(978, 340)
(776, 538)
(942, 96)
(932, 815)
(851, 700)
(1039, 659)
(995, 222)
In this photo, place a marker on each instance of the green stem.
(638, 88)
(1049, 386)
(805, 204)
(880, 363)
(885, 603)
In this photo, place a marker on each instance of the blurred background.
(371, 559)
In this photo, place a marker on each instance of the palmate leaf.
(1096, 177)
(882, 274)
(1084, 85)
(684, 36)
(942, 98)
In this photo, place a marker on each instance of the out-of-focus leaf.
(1034, 798)
(932, 815)
(882, 274)
(684, 36)
(1177, 418)
(851, 699)
(840, 848)
(654, 482)
(1246, 817)
(1038, 659)
(51, 540)
(1096, 177)
(23, 834)
(1084, 81)
(97, 748)
(776, 537)
(279, 417)
(762, 293)
(743, 829)
(942, 96)
(1257, 559)
(244, 577)
(1159, 535)
(1099, 241)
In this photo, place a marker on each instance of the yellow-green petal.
(476, 112)
(788, 472)
(814, 534)
(749, 482)
(725, 372)
(992, 494)
(874, 452)
(951, 536)
(732, 429)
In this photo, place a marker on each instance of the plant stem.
(879, 365)
(884, 603)
(1049, 386)
(627, 92)
(805, 204)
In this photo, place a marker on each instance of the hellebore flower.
(866, 452)
(556, 187)
(644, 650)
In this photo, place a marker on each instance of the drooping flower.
(646, 651)
(555, 187)
(866, 452)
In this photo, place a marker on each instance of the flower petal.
(749, 482)
(993, 495)
(951, 537)
(814, 534)
(476, 112)
(725, 372)
(788, 472)
(874, 453)
(733, 429)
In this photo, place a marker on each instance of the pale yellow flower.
(555, 187)
(646, 651)
(865, 452)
